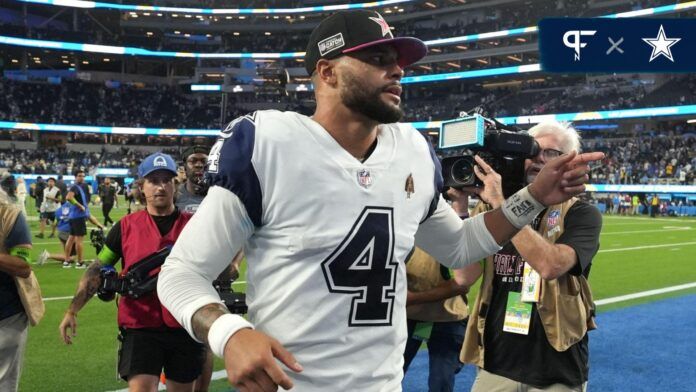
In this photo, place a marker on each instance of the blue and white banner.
(619, 45)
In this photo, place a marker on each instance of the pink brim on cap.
(410, 49)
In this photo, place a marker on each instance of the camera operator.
(151, 338)
(535, 307)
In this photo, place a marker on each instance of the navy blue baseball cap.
(154, 162)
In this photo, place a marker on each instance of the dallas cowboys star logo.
(383, 24)
(661, 45)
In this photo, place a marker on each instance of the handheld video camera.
(138, 282)
(503, 148)
(96, 237)
(235, 302)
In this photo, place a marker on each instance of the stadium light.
(422, 125)
(90, 48)
(206, 87)
(129, 7)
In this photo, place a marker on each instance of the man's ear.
(326, 71)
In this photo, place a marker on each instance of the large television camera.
(139, 281)
(504, 148)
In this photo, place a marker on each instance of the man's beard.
(368, 101)
(198, 183)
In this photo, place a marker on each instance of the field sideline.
(637, 254)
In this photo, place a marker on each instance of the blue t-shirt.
(9, 299)
(63, 216)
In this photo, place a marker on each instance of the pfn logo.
(576, 43)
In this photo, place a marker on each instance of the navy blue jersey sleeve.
(20, 234)
(230, 166)
(438, 181)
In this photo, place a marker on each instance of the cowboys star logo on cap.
(383, 24)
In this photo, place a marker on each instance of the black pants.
(106, 209)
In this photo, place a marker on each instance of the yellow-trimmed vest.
(565, 304)
(424, 273)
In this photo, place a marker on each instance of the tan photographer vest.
(565, 304)
(424, 273)
(8, 217)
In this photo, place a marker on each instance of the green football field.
(637, 254)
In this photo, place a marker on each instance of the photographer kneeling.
(151, 338)
(535, 307)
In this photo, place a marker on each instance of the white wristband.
(222, 329)
(521, 208)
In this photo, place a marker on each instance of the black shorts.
(49, 216)
(78, 227)
(146, 351)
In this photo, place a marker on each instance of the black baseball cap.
(195, 149)
(353, 30)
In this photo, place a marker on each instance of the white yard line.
(671, 220)
(55, 242)
(646, 247)
(57, 298)
(685, 228)
(642, 294)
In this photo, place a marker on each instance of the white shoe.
(66, 264)
(41, 260)
(80, 266)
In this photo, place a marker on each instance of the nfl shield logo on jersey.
(552, 223)
(552, 220)
(364, 178)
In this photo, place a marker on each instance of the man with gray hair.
(528, 328)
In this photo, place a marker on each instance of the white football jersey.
(326, 239)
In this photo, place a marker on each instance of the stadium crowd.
(646, 160)
(77, 102)
(642, 158)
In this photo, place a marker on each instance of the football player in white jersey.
(328, 209)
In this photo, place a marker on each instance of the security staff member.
(152, 340)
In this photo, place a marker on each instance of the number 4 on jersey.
(363, 267)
